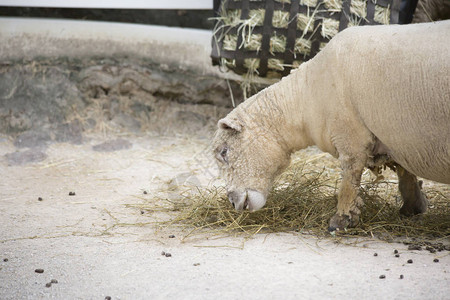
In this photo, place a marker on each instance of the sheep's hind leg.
(349, 201)
(414, 201)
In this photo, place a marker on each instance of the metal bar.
(113, 4)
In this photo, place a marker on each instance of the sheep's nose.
(236, 199)
(232, 197)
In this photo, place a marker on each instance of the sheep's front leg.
(349, 201)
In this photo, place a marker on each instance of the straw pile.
(304, 200)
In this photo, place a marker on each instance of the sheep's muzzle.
(247, 199)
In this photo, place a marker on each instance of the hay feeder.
(280, 34)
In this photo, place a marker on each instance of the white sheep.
(374, 95)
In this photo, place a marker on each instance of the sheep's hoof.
(414, 200)
(414, 208)
(340, 222)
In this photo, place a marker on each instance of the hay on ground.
(304, 200)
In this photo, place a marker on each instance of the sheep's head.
(249, 157)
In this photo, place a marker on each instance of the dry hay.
(358, 7)
(257, 16)
(310, 3)
(302, 46)
(330, 28)
(382, 14)
(275, 64)
(280, 19)
(333, 5)
(277, 44)
(305, 23)
(252, 64)
(230, 42)
(304, 200)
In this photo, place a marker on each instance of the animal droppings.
(40, 271)
(397, 255)
(171, 236)
(163, 253)
(48, 284)
(436, 260)
(382, 276)
(107, 298)
(375, 254)
(168, 254)
(53, 281)
(414, 247)
(410, 261)
(71, 193)
(401, 276)
(5, 259)
(196, 264)
(395, 251)
(40, 199)
(142, 212)
(145, 192)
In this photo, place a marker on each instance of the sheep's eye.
(223, 153)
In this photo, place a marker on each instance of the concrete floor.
(74, 240)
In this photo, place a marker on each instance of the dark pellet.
(401, 276)
(397, 255)
(71, 193)
(39, 198)
(171, 236)
(410, 261)
(382, 276)
(142, 212)
(163, 253)
(53, 281)
(395, 251)
(48, 284)
(5, 259)
(39, 271)
(435, 260)
(375, 254)
(168, 255)
(107, 298)
(145, 192)
(414, 247)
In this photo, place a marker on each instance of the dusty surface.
(104, 131)
(96, 245)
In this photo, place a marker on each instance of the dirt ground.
(96, 243)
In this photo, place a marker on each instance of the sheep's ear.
(229, 124)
